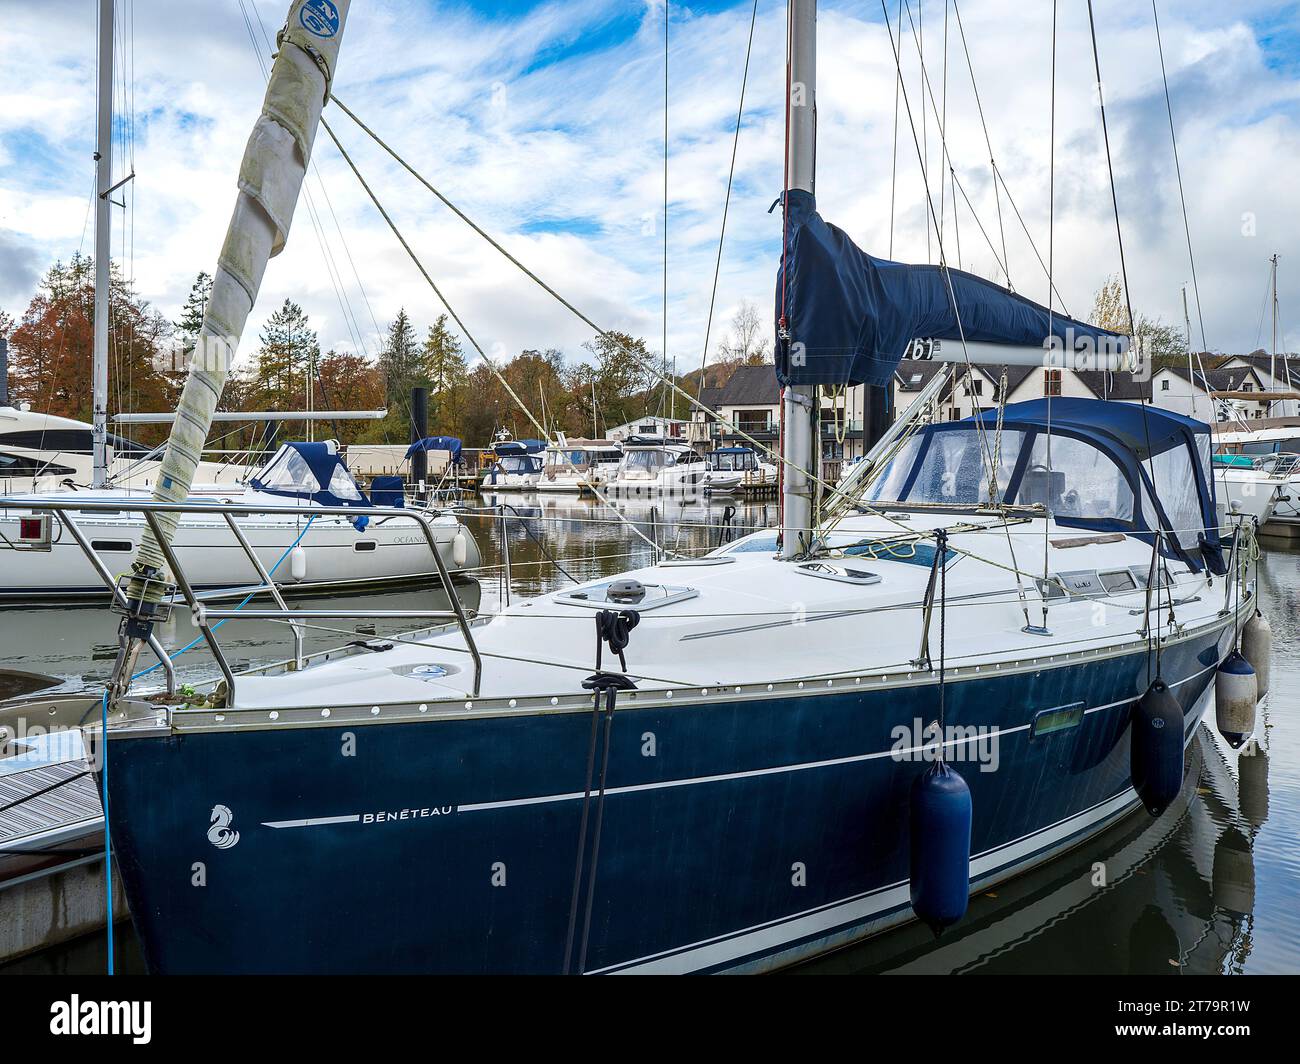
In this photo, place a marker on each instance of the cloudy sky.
(544, 121)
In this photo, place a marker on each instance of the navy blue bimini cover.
(518, 447)
(310, 471)
(855, 314)
(437, 443)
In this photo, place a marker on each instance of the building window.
(753, 421)
(1164, 385)
(1051, 382)
(1246, 386)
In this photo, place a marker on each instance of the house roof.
(1107, 385)
(1264, 362)
(747, 386)
(1224, 379)
(913, 374)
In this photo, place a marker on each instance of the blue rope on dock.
(247, 598)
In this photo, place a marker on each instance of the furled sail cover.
(855, 314)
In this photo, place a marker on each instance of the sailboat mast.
(103, 181)
(1272, 362)
(799, 402)
(270, 178)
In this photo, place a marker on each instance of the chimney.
(4, 371)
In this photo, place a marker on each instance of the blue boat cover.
(850, 315)
(437, 443)
(311, 472)
(519, 447)
(1133, 433)
(733, 450)
(1143, 429)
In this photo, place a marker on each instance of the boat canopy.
(310, 472)
(437, 443)
(1106, 466)
(519, 447)
(850, 316)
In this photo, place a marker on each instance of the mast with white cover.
(270, 178)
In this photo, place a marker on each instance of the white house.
(650, 425)
(1175, 388)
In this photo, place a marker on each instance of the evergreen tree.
(191, 319)
(400, 361)
(446, 370)
(289, 350)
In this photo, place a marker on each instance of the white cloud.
(563, 159)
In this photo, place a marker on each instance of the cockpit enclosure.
(1108, 466)
(310, 472)
(732, 460)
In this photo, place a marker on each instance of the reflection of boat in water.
(1163, 896)
(307, 552)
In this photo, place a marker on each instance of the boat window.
(648, 461)
(1177, 488)
(1072, 478)
(947, 467)
(290, 473)
(518, 464)
(342, 486)
(18, 465)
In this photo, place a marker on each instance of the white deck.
(757, 620)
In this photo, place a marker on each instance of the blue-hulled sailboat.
(735, 761)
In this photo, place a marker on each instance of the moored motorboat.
(516, 466)
(579, 465)
(653, 466)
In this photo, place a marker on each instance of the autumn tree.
(51, 348)
(624, 378)
(349, 381)
(1164, 344)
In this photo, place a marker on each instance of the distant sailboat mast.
(103, 232)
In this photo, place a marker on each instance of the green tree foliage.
(288, 351)
(191, 319)
(447, 373)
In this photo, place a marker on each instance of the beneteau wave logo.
(133, 1018)
(221, 835)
